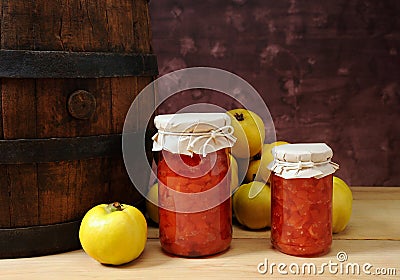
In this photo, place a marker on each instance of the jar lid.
(189, 133)
(304, 160)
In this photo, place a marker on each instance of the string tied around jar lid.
(279, 165)
(193, 138)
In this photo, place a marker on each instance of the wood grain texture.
(328, 71)
(124, 90)
(72, 184)
(19, 121)
(17, 31)
(242, 258)
(240, 262)
(375, 193)
(54, 192)
(53, 118)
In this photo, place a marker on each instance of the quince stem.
(116, 206)
(257, 156)
(239, 117)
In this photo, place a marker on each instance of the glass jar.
(195, 217)
(301, 195)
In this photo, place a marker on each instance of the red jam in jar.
(301, 209)
(301, 215)
(199, 233)
(194, 197)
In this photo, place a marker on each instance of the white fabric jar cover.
(189, 133)
(303, 161)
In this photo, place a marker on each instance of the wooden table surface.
(371, 242)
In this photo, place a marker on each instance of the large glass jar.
(301, 195)
(195, 217)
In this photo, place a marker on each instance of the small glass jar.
(195, 214)
(301, 195)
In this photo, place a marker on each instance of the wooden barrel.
(69, 72)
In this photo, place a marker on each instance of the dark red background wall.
(328, 70)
